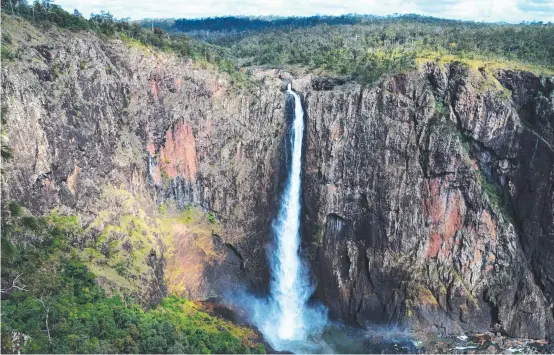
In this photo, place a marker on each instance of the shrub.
(60, 308)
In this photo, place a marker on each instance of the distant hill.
(234, 24)
(356, 45)
(244, 23)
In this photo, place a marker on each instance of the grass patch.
(7, 54)
(492, 191)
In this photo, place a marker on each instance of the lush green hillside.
(361, 48)
(364, 47)
(51, 303)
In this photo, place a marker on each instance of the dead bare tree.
(14, 285)
(47, 310)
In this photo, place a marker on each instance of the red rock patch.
(488, 225)
(178, 156)
(72, 179)
(154, 88)
(336, 132)
(445, 209)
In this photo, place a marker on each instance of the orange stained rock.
(445, 209)
(336, 132)
(72, 179)
(154, 88)
(489, 225)
(177, 83)
(178, 156)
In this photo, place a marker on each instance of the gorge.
(423, 201)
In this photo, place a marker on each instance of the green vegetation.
(47, 14)
(211, 217)
(118, 242)
(366, 50)
(247, 24)
(361, 48)
(319, 235)
(6, 53)
(490, 189)
(495, 195)
(5, 150)
(52, 304)
(365, 47)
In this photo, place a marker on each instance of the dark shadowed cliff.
(429, 200)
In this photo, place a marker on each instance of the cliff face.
(427, 200)
(110, 130)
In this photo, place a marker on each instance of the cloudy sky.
(478, 10)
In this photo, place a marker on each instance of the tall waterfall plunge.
(285, 318)
(290, 288)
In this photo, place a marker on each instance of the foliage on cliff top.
(361, 47)
(52, 304)
(47, 14)
(366, 46)
(395, 44)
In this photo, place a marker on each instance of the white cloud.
(478, 10)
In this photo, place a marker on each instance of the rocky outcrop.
(89, 119)
(429, 200)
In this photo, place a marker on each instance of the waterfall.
(290, 288)
(285, 318)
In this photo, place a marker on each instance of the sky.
(514, 11)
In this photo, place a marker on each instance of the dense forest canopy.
(232, 23)
(365, 46)
(358, 47)
(351, 49)
(264, 23)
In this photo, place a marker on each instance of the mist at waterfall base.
(288, 321)
(285, 318)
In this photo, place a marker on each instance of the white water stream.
(290, 288)
(285, 318)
